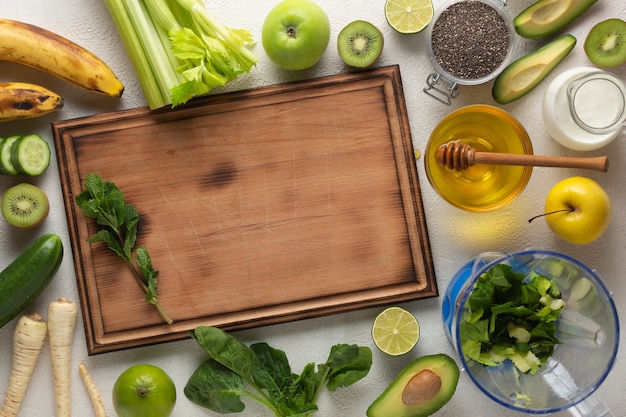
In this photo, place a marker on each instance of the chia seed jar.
(469, 43)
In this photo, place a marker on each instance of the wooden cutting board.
(262, 206)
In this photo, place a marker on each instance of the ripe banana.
(36, 47)
(24, 101)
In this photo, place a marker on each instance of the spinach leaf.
(219, 382)
(348, 364)
(511, 316)
(228, 351)
(275, 372)
(215, 387)
(306, 388)
(274, 376)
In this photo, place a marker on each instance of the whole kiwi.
(360, 44)
(605, 44)
(24, 206)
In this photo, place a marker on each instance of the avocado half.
(524, 74)
(419, 390)
(546, 17)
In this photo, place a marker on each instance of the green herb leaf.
(112, 242)
(104, 202)
(145, 266)
(130, 221)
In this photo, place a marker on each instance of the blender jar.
(587, 328)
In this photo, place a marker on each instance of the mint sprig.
(104, 202)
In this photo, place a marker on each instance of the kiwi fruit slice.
(360, 44)
(605, 44)
(24, 206)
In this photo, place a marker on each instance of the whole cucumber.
(28, 275)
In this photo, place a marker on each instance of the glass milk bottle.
(585, 108)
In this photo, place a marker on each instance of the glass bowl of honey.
(481, 187)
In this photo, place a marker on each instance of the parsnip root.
(92, 390)
(28, 339)
(62, 315)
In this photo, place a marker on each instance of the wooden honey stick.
(458, 155)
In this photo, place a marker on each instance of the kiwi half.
(360, 44)
(605, 44)
(24, 206)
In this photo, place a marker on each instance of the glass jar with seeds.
(470, 42)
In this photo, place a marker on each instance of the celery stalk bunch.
(178, 49)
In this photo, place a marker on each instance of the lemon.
(409, 16)
(395, 331)
(144, 390)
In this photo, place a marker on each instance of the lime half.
(395, 331)
(409, 16)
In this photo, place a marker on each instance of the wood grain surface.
(257, 207)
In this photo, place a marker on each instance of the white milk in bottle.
(585, 108)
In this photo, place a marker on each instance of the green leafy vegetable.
(511, 316)
(179, 50)
(219, 382)
(104, 202)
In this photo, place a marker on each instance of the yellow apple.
(578, 210)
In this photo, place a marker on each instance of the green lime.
(409, 16)
(144, 390)
(395, 331)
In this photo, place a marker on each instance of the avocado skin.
(390, 404)
(527, 26)
(525, 68)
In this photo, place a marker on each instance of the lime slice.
(30, 155)
(395, 331)
(409, 16)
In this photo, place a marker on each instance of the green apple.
(578, 210)
(295, 34)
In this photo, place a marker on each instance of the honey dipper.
(458, 155)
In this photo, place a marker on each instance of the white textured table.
(456, 236)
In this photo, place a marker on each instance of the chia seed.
(470, 39)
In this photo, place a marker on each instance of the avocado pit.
(422, 388)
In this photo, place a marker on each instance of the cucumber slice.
(5, 156)
(546, 17)
(30, 155)
(1, 169)
(524, 74)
